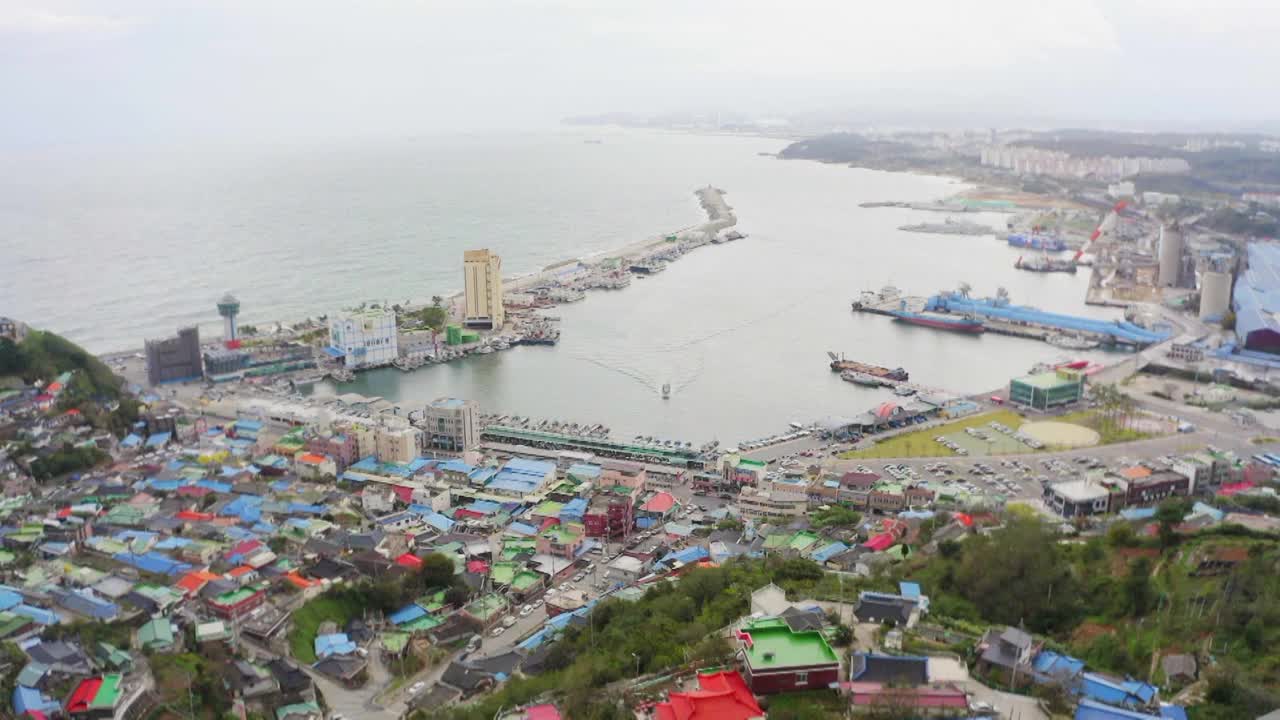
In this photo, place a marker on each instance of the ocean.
(110, 248)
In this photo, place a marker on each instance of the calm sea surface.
(109, 249)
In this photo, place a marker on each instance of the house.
(466, 678)
(1112, 691)
(157, 635)
(778, 659)
(884, 608)
(945, 700)
(299, 711)
(897, 670)
(1011, 649)
(1093, 710)
(720, 696)
(249, 681)
(1180, 669)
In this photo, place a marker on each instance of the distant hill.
(43, 356)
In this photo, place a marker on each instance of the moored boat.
(954, 323)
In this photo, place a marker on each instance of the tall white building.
(364, 338)
(450, 424)
(482, 276)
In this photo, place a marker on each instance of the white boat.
(666, 390)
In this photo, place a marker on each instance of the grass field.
(920, 443)
(1110, 432)
(336, 607)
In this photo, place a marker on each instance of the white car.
(497, 631)
(525, 611)
(417, 688)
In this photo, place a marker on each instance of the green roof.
(503, 572)
(802, 540)
(549, 508)
(774, 645)
(108, 694)
(487, 606)
(426, 622)
(156, 634)
(525, 579)
(395, 641)
(776, 540)
(1046, 380)
(11, 623)
(297, 709)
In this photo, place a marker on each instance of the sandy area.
(1060, 434)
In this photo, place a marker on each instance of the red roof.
(963, 519)
(312, 458)
(197, 490)
(721, 696)
(72, 411)
(880, 542)
(886, 410)
(404, 492)
(541, 712)
(83, 695)
(1233, 488)
(660, 503)
(193, 515)
(477, 566)
(54, 387)
(463, 514)
(64, 512)
(409, 560)
(193, 581)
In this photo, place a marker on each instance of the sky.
(84, 71)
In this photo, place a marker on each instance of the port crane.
(1107, 225)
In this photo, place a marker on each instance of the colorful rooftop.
(769, 643)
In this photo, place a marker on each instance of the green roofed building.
(1048, 390)
(779, 659)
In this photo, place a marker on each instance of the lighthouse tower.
(229, 308)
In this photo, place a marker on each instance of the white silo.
(1215, 294)
(1170, 256)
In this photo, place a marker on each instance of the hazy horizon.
(76, 71)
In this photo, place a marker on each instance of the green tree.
(1168, 516)
(1139, 594)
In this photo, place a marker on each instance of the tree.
(1169, 515)
(248, 330)
(1139, 595)
(437, 571)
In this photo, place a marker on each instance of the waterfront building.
(363, 338)
(229, 308)
(175, 359)
(1079, 498)
(224, 364)
(11, 329)
(755, 504)
(450, 424)
(1048, 390)
(779, 659)
(482, 278)
(738, 471)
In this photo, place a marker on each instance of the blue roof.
(9, 599)
(334, 644)
(484, 507)
(909, 589)
(27, 699)
(1127, 692)
(406, 614)
(214, 485)
(333, 352)
(448, 403)
(1092, 710)
(1053, 666)
(158, 439)
(1173, 712)
(1202, 509)
(1256, 297)
(153, 563)
(688, 555)
(297, 508)
(40, 615)
(585, 470)
(520, 528)
(1138, 513)
(131, 440)
(576, 506)
(456, 466)
(530, 467)
(165, 485)
(512, 484)
(828, 552)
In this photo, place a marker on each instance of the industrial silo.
(1170, 256)
(1215, 293)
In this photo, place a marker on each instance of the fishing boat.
(1045, 264)
(904, 391)
(954, 323)
(860, 378)
(1071, 342)
(666, 390)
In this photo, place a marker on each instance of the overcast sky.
(85, 71)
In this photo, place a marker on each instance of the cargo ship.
(1044, 264)
(954, 323)
(1036, 242)
(840, 364)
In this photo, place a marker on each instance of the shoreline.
(719, 216)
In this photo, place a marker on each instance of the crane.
(1107, 225)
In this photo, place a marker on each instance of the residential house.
(720, 696)
(898, 670)
(779, 659)
(1010, 650)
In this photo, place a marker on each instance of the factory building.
(482, 278)
(1256, 300)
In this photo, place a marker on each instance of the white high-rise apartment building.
(364, 338)
(482, 276)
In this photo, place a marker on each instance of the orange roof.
(299, 581)
(240, 571)
(312, 458)
(1135, 472)
(193, 581)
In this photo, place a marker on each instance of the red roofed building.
(659, 506)
(409, 560)
(721, 696)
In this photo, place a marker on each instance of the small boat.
(860, 378)
(666, 390)
(904, 391)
